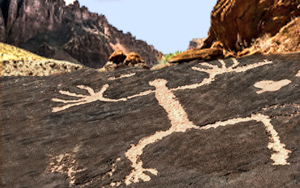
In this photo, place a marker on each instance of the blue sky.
(168, 25)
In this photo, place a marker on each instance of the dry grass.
(285, 41)
(18, 62)
(8, 52)
(264, 43)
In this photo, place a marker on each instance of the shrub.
(166, 58)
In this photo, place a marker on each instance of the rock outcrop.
(71, 32)
(237, 22)
(225, 123)
(119, 59)
(285, 41)
(132, 59)
(203, 54)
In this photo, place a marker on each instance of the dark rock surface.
(66, 32)
(88, 145)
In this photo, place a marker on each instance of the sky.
(168, 25)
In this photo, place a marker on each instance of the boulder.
(132, 59)
(236, 23)
(199, 54)
(117, 57)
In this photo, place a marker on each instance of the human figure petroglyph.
(213, 71)
(178, 117)
(181, 123)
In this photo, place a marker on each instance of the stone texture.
(247, 20)
(71, 31)
(85, 145)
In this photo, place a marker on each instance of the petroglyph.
(214, 70)
(122, 76)
(269, 85)
(92, 97)
(178, 116)
(179, 123)
(281, 154)
(65, 163)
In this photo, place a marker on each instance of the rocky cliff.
(52, 29)
(238, 25)
(224, 123)
(236, 22)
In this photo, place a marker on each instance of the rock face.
(237, 24)
(71, 32)
(237, 21)
(226, 123)
(285, 41)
